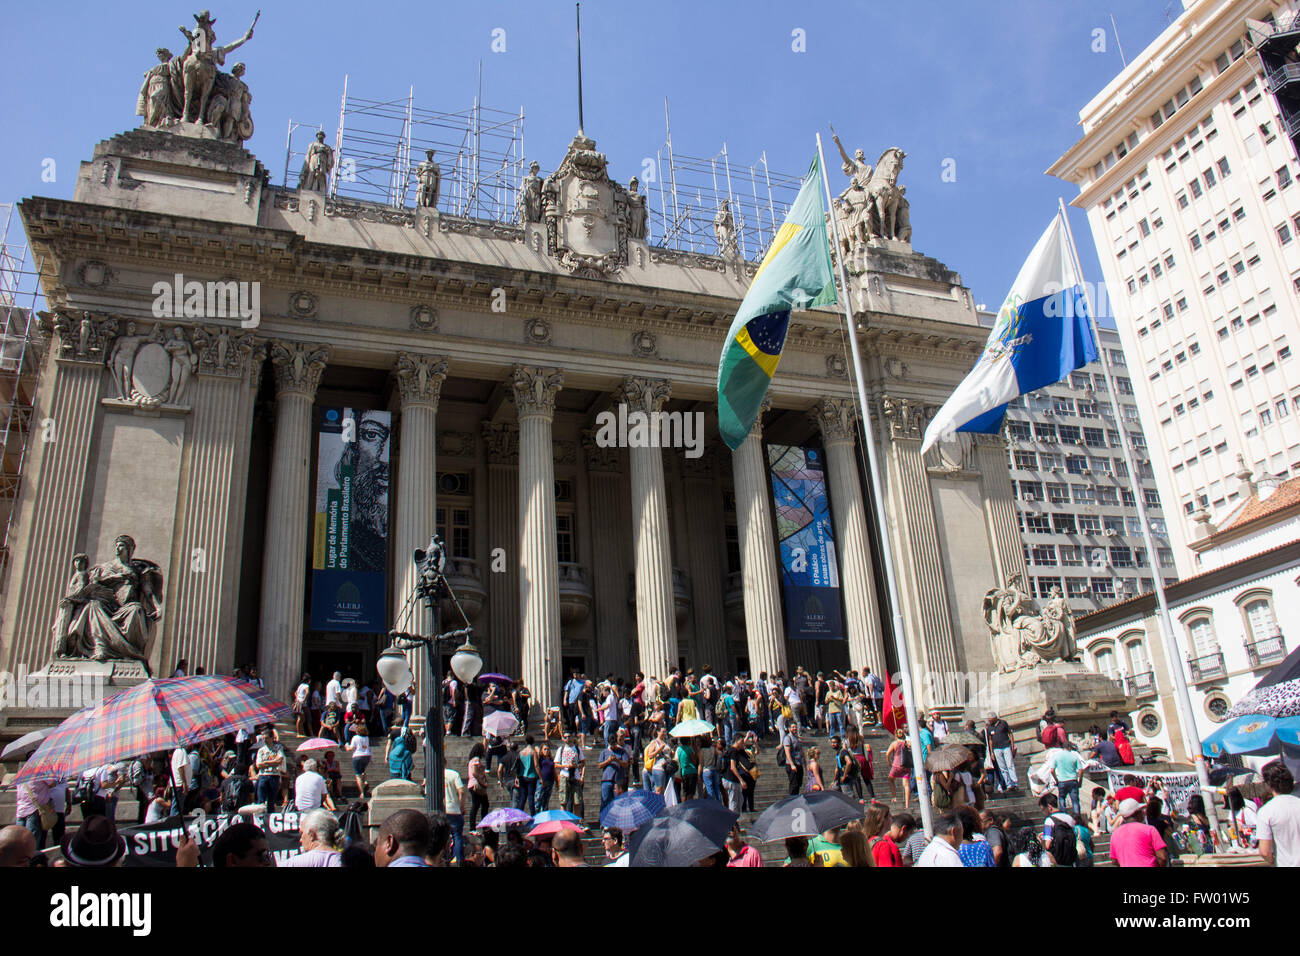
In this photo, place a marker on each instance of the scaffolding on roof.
(20, 296)
(379, 143)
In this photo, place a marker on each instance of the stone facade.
(495, 347)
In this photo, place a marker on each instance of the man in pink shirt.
(741, 853)
(1135, 843)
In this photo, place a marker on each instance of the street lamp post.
(395, 670)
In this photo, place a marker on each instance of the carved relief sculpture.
(1023, 636)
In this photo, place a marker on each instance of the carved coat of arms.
(585, 213)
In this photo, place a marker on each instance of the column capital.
(501, 440)
(535, 389)
(227, 354)
(906, 417)
(837, 419)
(83, 337)
(600, 458)
(298, 367)
(756, 430)
(420, 378)
(645, 395)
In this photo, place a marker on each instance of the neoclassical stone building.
(489, 349)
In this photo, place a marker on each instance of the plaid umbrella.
(156, 715)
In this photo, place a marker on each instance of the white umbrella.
(26, 743)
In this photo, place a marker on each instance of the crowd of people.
(640, 733)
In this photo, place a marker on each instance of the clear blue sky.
(994, 85)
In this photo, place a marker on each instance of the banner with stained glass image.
(810, 577)
(350, 532)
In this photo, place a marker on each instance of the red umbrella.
(155, 715)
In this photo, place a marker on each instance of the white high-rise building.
(1188, 176)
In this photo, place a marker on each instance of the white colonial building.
(1233, 621)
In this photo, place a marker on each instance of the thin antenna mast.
(578, 10)
(1115, 30)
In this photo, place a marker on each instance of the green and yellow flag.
(795, 274)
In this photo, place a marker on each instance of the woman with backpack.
(400, 754)
(899, 756)
(861, 752)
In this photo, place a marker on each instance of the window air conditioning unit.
(1110, 532)
(1029, 496)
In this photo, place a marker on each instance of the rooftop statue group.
(109, 612)
(189, 88)
(537, 193)
(873, 206)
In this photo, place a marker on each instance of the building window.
(1044, 554)
(1200, 636)
(1064, 524)
(565, 539)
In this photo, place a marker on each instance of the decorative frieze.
(456, 444)
(501, 442)
(82, 337)
(905, 417)
(600, 458)
(424, 318)
(837, 419)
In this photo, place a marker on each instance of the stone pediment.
(586, 213)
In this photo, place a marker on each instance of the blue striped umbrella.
(633, 809)
(554, 816)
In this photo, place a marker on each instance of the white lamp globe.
(466, 663)
(394, 671)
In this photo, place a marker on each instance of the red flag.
(894, 716)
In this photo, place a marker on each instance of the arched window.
(1105, 660)
(1259, 619)
(1201, 636)
(1138, 661)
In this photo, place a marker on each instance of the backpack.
(234, 792)
(780, 756)
(408, 740)
(721, 710)
(942, 797)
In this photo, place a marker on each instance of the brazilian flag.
(795, 274)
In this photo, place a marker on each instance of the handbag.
(45, 810)
(988, 752)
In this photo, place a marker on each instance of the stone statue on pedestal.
(872, 207)
(110, 612)
(530, 195)
(636, 213)
(316, 165)
(724, 229)
(429, 175)
(1023, 636)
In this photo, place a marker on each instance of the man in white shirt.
(180, 770)
(334, 690)
(569, 765)
(310, 791)
(942, 850)
(1278, 821)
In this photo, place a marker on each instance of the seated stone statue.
(110, 611)
(1023, 636)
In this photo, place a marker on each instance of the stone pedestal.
(389, 797)
(1079, 696)
(65, 686)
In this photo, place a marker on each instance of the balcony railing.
(1142, 685)
(1282, 75)
(1267, 650)
(1208, 667)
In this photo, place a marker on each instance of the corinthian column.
(539, 568)
(836, 418)
(298, 369)
(501, 442)
(764, 632)
(419, 385)
(656, 623)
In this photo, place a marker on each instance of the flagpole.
(1173, 654)
(887, 551)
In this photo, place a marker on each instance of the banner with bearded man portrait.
(350, 541)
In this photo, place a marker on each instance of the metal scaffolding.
(690, 190)
(379, 143)
(20, 297)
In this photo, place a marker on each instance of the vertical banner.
(810, 577)
(350, 531)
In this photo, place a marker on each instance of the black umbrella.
(806, 814)
(682, 835)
